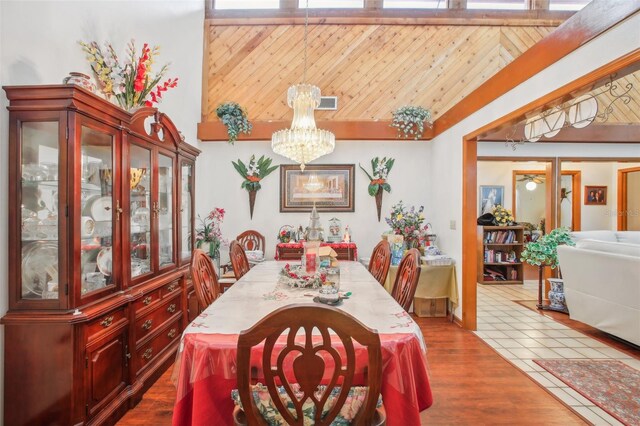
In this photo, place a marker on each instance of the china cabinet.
(101, 206)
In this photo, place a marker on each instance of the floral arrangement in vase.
(378, 179)
(410, 121)
(503, 217)
(253, 173)
(209, 233)
(132, 81)
(406, 222)
(234, 117)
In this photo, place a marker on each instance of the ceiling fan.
(532, 181)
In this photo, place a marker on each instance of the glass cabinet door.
(39, 194)
(186, 214)
(97, 206)
(140, 208)
(164, 210)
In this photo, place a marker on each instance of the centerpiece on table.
(209, 234)
(253, 173)
(378, 179)
(543, 253)
(297, 277)
(131, 81)
(407, 222)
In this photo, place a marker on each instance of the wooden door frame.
(622, 196)
(470, 171)
(576, 202)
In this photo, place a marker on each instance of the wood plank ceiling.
(373, 69)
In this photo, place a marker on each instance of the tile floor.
(521, 335)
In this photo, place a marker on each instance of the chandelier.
(303, 142)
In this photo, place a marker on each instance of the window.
(568, 4)
(497, 4)
(331, 4)
(247, 4)
(415, 4)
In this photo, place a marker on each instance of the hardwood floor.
(471, 384)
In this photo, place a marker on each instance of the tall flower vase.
(379, 201)
(252, 201)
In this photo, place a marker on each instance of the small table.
(436, 282)
(293, 251)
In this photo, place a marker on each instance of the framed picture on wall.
(490, 196)
(595, 195)
(329, 186)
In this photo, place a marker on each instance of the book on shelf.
(500, 237)
(499, 256)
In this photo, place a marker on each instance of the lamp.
(303, 142)
(531, 185)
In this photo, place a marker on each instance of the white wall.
(218, 185)
(39, 45)
(446, 150)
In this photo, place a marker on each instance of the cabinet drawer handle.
(107, 321)
(147, 324)
(172, 333)
(147, 354)
(172, 287)
(171, 308)
(147, 300)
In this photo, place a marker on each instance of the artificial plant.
(234, 117)
(252, 173)
(410, 121)
(378, 179)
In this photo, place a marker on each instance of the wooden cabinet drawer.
(147, 300)
(147, 352)
(170, 289)
(151, 321)
(106, 322)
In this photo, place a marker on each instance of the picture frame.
(329, 186)
(595, 195)
(489, 197)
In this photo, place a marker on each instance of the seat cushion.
(629, 237)
(268, 410)
(607, 247)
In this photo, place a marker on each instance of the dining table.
(205, 369)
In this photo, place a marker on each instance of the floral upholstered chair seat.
(268, 410)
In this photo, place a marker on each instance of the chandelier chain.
(306, 33)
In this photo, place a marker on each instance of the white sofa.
(602, 281)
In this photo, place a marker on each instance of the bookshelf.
(499, 250)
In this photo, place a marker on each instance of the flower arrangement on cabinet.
(406, 221)
(253, 173)
(209, 233)
(132, 82)
(410, 121)
(503, 217)
(234, 117)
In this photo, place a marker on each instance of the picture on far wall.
(490, 196)
(329, 186)
(595, 195)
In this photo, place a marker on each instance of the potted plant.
(378, 181)
(253, 173)
(234, 117)
(410, 121)
(209, 234)
(406, 222)
(544, 252)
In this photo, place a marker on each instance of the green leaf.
(367, 173)
(373, 189)
(386, 187)
(269, 171)
(390, 164)
(245, 184)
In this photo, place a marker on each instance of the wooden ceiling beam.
(215, 131)
(596, 133)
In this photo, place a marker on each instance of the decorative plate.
(552, 123)
(533, 129)
(39, 266)
(583, 111)
(87, 226)
(101, 209)
(104, 261)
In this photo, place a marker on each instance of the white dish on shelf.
(101, 209)
(87, 226)
(105, 261)
(39, 266)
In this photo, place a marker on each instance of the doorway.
(629, 199)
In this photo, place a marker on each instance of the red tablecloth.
(351, 246)
(206, 371)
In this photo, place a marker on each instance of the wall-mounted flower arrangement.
(410, 121)
(253, 173)
(378, 179)
(234, 117)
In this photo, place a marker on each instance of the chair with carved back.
(205, 280)
(251, 240)
(239, 260)
(309, 358)
(380, 261)
(404, 288)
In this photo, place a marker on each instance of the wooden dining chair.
(251, 240)
(239, 261)
(404, 288)
(380, 261)
(298, 352)
(205, 280)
